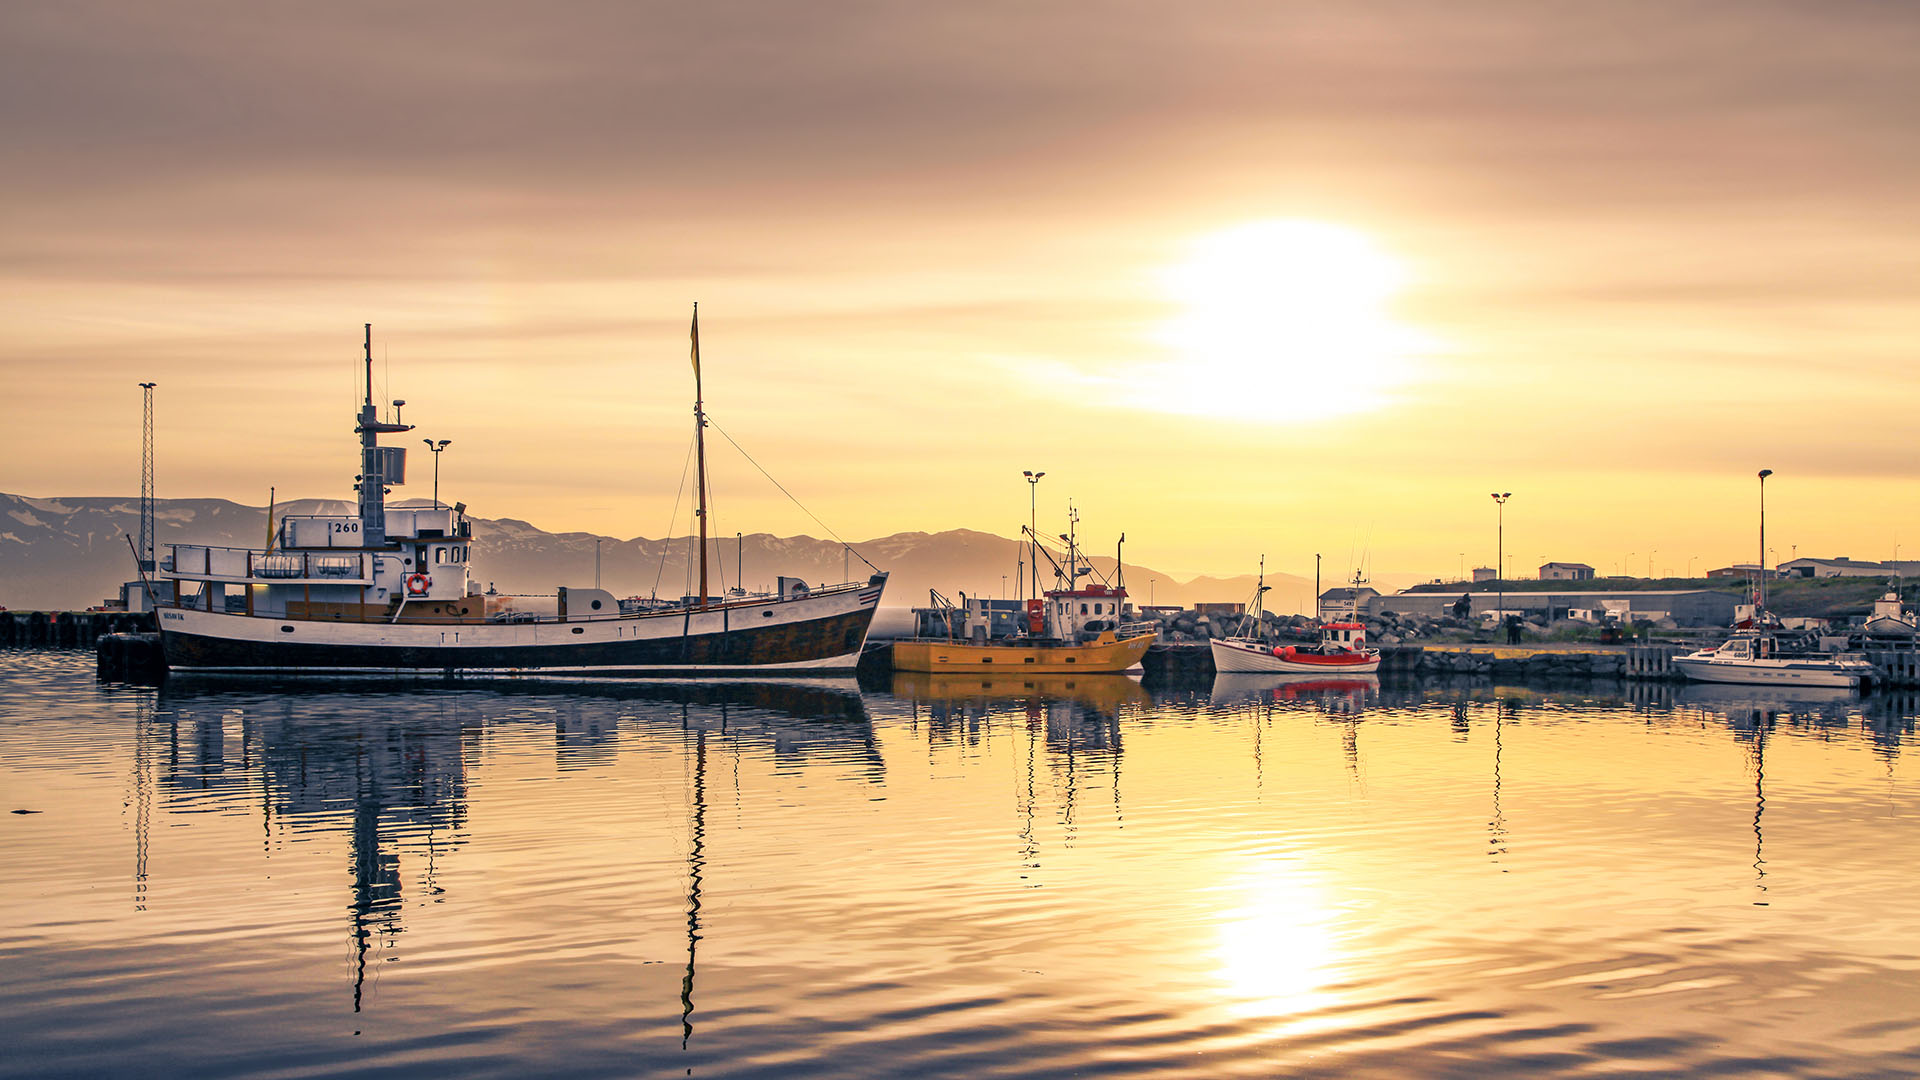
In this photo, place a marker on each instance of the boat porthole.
(286, 629)
(986, 659)
(578, 630)
(596, 605)
(766, 614)
(1071, 659)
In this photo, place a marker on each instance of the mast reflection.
(390, 769)
(1075, 719)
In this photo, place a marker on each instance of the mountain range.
(69, 553)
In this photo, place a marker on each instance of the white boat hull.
(1790, 671)
(1248, 657)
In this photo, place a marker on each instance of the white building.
(1566, 571)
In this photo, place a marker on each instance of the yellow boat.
(1073, 628)
(1107, 652)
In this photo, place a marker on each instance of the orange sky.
(1637, 252)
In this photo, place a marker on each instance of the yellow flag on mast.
(696, 341)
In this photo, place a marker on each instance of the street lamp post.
(1760, 607)
(1650, 556)
(1033, 521)
(436, 448)
(1500, 551)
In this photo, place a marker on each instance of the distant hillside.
(72, 553)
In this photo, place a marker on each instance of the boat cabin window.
(1083, 609)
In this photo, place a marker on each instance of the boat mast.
(1260, 592)
(1073, 548)
(373, 480)
(1760, 598)
(700, 451)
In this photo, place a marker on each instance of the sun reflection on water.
(1278, 950)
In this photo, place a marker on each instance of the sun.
(1284, 320)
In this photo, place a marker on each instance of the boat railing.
(1135, 629)
(210, 563)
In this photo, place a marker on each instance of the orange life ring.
(418, 584)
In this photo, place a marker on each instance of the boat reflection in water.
(1070, 725)
(1344, 696)
(1098, 691)
(391, 768)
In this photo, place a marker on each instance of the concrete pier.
(1897, 666)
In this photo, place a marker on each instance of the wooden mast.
(700, 451)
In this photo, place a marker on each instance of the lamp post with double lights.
(1760, 600)
(1033, 521)
(436, 448)
(1500, 552)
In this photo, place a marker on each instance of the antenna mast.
(146, 478)
(373, 463)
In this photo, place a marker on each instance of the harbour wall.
(1898, 666)
(68, 629)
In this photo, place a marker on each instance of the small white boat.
(1342, 649)
(1889, 616)
(1755, 657)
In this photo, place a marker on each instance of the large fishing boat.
(1076, 627)
(389, 592)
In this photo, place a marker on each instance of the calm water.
(1081, 878)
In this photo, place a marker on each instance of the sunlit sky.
(1241, 278)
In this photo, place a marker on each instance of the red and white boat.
(1342, 648)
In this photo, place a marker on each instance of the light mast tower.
(146, 478)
